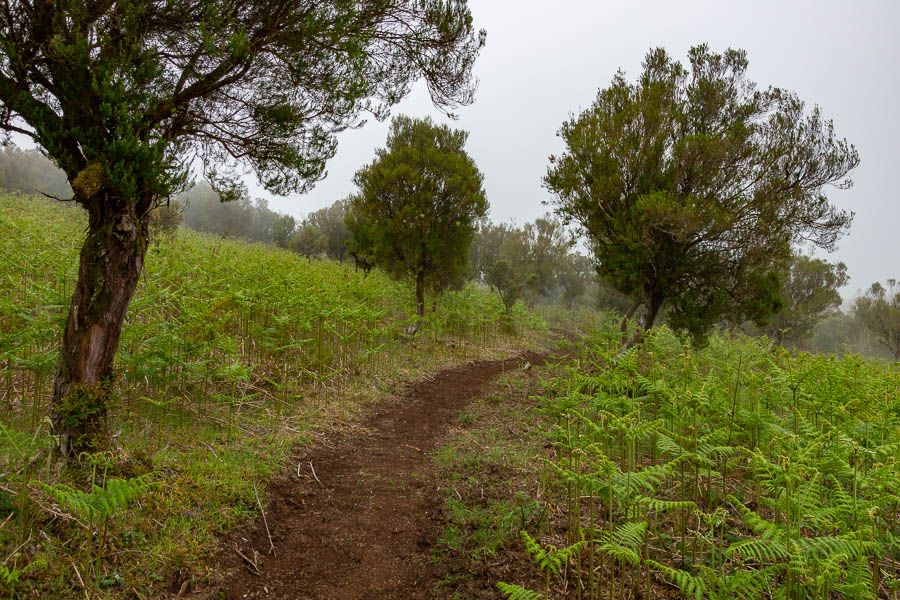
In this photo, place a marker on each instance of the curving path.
(360, 523)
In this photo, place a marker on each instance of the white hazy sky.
(545, 60)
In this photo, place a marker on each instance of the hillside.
(232, 354)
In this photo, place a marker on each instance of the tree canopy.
(879, 310)
(331, 221)
(692, 184)
(502, 277)
(126, 97)
(418, 203)
(137, 88)
(810, 293)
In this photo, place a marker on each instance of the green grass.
(232, 354)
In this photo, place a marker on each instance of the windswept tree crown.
(692, 184)
(126, 94)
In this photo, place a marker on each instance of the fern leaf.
(516, 592)
(687, 583)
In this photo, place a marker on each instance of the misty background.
(543, 64)
(544, 61)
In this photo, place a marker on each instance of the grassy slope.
(232, 353)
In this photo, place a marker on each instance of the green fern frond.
(647, 480)
(749, 584)
(823, 548)
(630, 535)
(516, 592)
(659, 505)
(620, 553)
(761, 527)
(687, 583)
(760, 550)
(103, 501)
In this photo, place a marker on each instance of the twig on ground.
(265, 522)
(14, 552)
(249, 562)
(77, 574)
(314, 474)
(208, 447)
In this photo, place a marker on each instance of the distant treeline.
(30, 172)
(536, 263)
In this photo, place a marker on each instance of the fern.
(100, 502)
(9, 577)
(659, 505)
(761, 527)
(516, 592)
(759, 549)
(549, 558)
(687, 583)
(822, 548)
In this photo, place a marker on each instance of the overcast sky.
(545, 60)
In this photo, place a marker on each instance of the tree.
(126, 96)
(418, 203)
(261, 224)
(692, 184)
(502, 277)
(810, 293)
(166, 218)
(309, 241)
(509, 279)
(331, 222)
(282, 230)
(879, 310)
(576, 273)
(485, 248)
(548, 247)
(361, 245)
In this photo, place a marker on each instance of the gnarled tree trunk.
(627, 317)
(651, 309)
(111, 262)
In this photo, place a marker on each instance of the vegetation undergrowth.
(489, 468)
(232, 354)
(734, 471)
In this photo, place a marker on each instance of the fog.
(541, 64)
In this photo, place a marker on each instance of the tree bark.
(110, 265)
(627, 317)
(652, 304)
(420, 293)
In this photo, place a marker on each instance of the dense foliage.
(809, 294)
(692, 184)
(730, 472)
(879, 310)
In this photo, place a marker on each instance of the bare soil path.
(357, 518)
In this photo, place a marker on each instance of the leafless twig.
(249, 562)
(265, 522)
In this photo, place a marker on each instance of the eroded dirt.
(356, 517)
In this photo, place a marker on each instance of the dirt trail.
(362, 527)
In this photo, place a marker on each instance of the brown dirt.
(361, 517)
